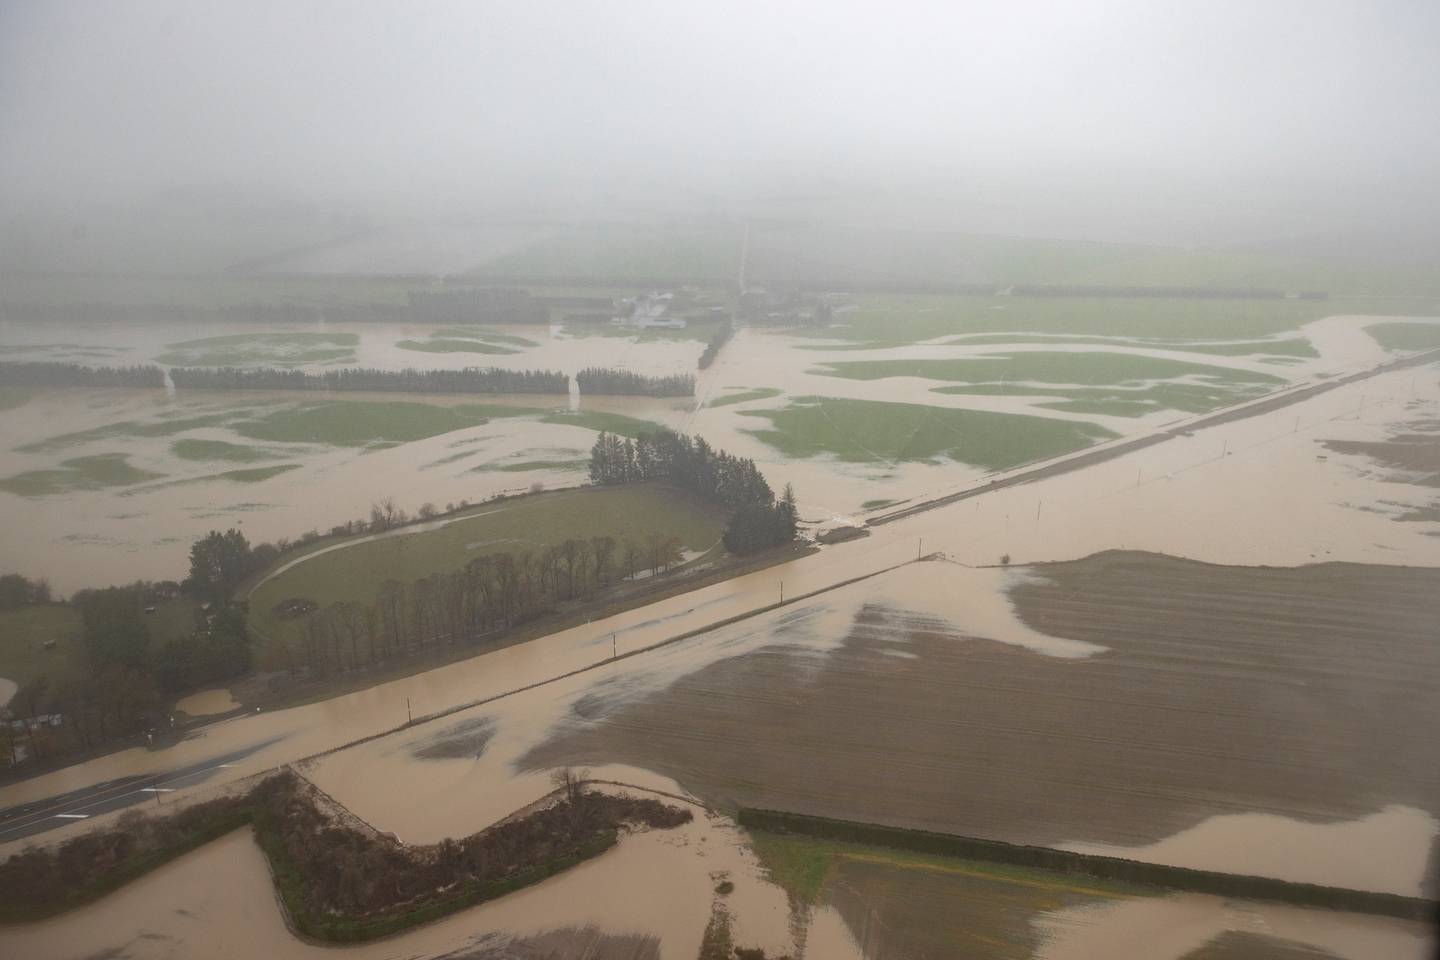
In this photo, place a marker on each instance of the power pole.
(614, 650)
(782, 591)
(408, 718)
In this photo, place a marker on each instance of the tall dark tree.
(218, 563)
(115, 631)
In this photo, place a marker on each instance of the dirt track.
(1307, 693)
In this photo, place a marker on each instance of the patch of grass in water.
(256, 474)
(191, 449)
(131, 428)
(371, 423)
(1406, 336)
(863, 431)
(484, 333)
(877, 504)
(280, 349)
(911, 318)
(247, 475)
(762, 393)
(1292, 347)
(527, 465)
(600, 420)
(82, 473)
(1119, 402)
(1063, 367)
(452, 346)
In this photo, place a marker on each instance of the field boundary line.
(650, 648)
(1043, 469)
(1116, 869)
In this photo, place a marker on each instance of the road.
(1087, 458)
(1089, 517)
(27, 820)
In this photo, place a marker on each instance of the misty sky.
(1047, 116)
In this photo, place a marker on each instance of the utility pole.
(614, 650)
(1038, 505)
(919, 543)
(408, 718)
(782, 591)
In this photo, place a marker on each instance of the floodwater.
(1269, 501)
(207, 702)
(1249, 492)
(1170, 928)
(92, 537)
(1385, 851)
(219, 902)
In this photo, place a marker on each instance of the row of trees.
(18, 591)
(194, 314)
(490, 594)
(466, 380)
(448, 305)
(609, 380)
(689, 463)
(717, 340)
(53, 374)
(120, 677)
(759, 526)
(758, 521)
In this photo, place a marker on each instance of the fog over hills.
(160, 135)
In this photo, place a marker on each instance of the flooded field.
(1142, 705)
(95, 481)
(1213, 694)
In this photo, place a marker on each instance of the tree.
(218, 563)
(634, 556)
(604, 550)
(115, 630)
(789, 514)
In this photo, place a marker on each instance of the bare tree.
(571, 782)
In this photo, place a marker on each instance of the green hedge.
(1105, 868)
(131, 869)
(291, 884)
(337, 929)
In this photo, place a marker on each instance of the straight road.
(29, 819)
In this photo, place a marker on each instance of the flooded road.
(79, 528)
(1243, 508)
(1248, 492)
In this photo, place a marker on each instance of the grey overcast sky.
(1206, 119)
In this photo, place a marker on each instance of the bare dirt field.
(1296, 693)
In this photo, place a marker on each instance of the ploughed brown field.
(1303, 692)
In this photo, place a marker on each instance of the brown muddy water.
(1303, 694)
(92, 537)
(1268, 501)
(1063, 703)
